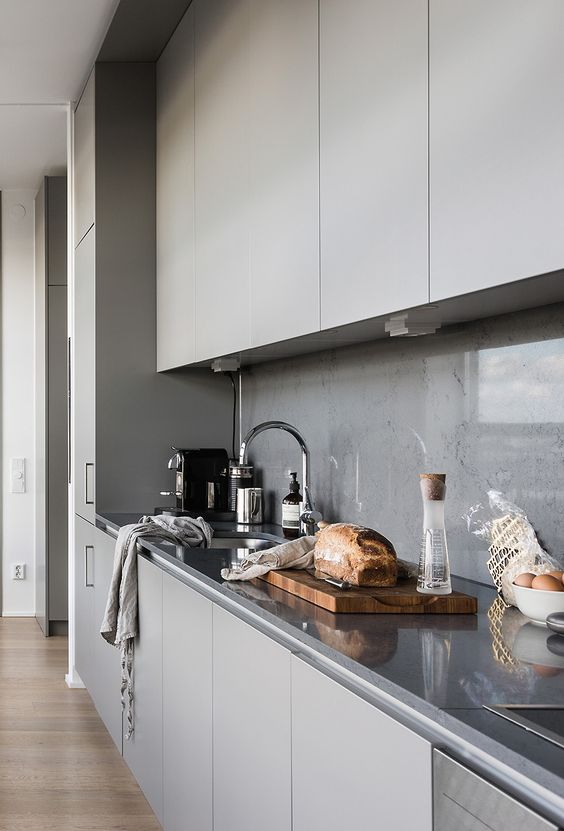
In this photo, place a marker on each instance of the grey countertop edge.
(526, 780)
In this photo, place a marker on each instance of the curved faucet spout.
(307, 506)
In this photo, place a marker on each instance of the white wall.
(18, 422)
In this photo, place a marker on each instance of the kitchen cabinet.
(84, 162)
(222, 177)
(51, 406)
(143, 752)
(187, 708)
(176, 313)
(283, 148)
(251, 735)
(84, 600)
(106, 685)
(496, 136)
(373, 158)
(355, 776)
(84, 376)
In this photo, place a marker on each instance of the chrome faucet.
(309, 517)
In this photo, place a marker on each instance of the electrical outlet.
(18, 571)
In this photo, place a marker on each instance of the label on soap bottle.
(290, 516)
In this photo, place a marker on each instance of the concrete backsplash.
(483, 403)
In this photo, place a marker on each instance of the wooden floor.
(59, 768)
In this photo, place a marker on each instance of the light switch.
(17, 475)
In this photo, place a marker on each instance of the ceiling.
(47, 48)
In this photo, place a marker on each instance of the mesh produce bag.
(513, 544)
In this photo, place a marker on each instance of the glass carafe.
(434, 569)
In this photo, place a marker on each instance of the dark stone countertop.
(443, 667)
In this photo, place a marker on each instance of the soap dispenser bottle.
(291, 509)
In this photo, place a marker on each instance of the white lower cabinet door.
(352, 765)
(143, 752)
(187, 708)
(252, 729)
(84, 600)
(106, 684)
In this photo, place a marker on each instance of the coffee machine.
(200, 480)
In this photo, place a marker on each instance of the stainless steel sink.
(252, 543)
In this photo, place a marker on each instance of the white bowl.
(537, 604)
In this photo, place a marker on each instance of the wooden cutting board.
(401, 599)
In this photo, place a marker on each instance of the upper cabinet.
(84, 162)
(373, 158)
(496, 138)
(176, 315)
(222, 177)
(284, 169)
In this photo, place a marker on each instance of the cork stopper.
(433, 485)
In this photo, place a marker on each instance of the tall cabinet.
(51, 549)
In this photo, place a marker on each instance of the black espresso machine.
(200, 481)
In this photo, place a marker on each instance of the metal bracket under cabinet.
(466, 802)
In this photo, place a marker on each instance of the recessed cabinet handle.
(88, 489)
(88, 579)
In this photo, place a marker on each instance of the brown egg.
(525, 579)
(559, 575)
(546, 672)
(546, 583)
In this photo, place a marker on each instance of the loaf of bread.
(356, 554)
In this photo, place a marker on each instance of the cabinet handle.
(88, 466)
(88, 549)
(69, 411)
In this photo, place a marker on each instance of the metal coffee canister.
(239, 476)
(249, 506)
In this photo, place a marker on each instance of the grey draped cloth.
(119, 626)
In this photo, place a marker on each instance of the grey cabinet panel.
(106, 686)
(187, 708)
(251, 735)
(84, 162)
(84, 600)
(57, 469)
(176, 312)
(143, 751)
(373, 164)
(84, 376)
(41, 384)
(222, 176)
(284, 170)
(57, 230)
(369, 759)
(496, 136)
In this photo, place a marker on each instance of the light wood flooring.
(59, 768)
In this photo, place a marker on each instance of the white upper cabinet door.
(284, 169)
(373, 158)
(222, 177)
(175, 199)
(84, 162)
(369, 773)
(496, 139)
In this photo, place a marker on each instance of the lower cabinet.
(352, 765)
(187, 708)
(106, 685)
(143, 752)
(232, 731)
(97, 662)
(252, 769)
(84, 599)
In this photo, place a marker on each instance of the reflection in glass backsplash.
(482, 402)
